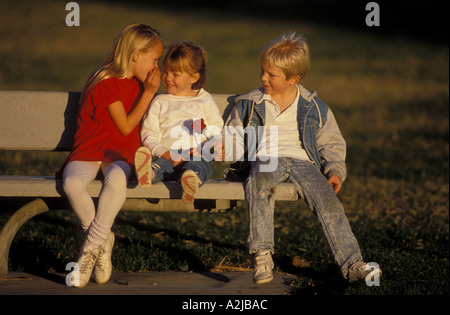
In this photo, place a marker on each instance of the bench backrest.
(47, 121)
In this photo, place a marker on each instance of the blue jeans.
(166, 171)
(315, 190)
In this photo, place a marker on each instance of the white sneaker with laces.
(86, 262)
(263, 267)
(103, 266)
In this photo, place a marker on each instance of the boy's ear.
(295, 79)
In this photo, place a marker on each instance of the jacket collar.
(258, 95)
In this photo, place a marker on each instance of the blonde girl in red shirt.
(113, 102)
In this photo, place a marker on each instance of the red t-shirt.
(97, 137)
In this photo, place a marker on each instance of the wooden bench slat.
(47, 121)
(37, 120)
(47, 186)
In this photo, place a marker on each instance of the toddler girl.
(177, 123)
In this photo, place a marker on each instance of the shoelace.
(101, 262)
(88, 261)
(358, 266)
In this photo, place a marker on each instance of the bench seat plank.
(215, 189)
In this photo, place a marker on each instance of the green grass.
(413, 255)
(389, 95)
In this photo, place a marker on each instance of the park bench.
(46, 121)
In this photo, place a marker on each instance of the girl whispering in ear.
(113, 103)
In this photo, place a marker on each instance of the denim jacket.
(318, 130)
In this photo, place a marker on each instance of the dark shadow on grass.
(180, 259)
(34, 258)
(312, 281)
(176, 235)
(32, 250)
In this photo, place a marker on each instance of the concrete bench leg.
(11, 227)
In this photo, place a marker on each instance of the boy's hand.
(219, 151)
(335, 182)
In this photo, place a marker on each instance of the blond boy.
(301, 135)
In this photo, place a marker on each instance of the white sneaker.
(86, 262)
(263, 267)
(103, 266)
(143, 165)
(190, 183)
(361, 270)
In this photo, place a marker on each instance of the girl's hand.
(153, 80)
(335, 182)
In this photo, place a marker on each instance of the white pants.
(77, 176)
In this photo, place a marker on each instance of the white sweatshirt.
(167, 124)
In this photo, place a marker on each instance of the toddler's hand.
(196, 152)
(174, 158)
(215, 148)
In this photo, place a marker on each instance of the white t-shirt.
(168, 122)
(281, 135)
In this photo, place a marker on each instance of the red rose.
(198, 125)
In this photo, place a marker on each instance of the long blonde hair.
(132, 38)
